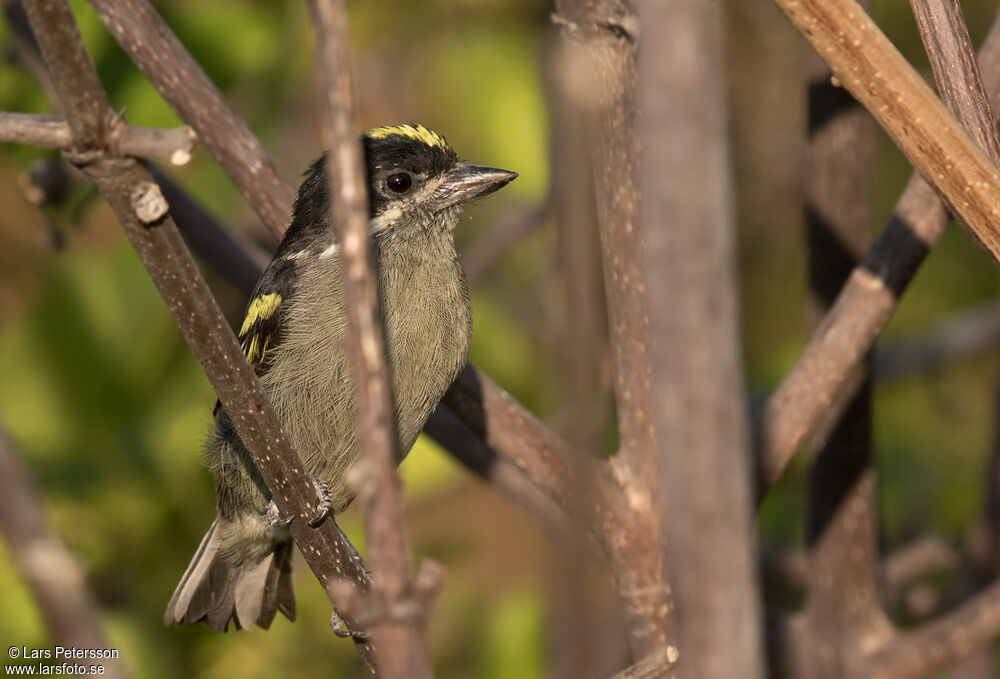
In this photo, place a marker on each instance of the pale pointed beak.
(467, 182)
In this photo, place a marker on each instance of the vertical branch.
(606, 33)
(843, 598)
(578, 629)
(48, 568)
(401, 650)
(701, 423)
(605, 28)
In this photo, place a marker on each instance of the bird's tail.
(216, 588)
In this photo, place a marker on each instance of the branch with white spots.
(130, 190)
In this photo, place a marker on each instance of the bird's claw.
(341, 629)
(278, 520)
(275, 518)
(323, 509)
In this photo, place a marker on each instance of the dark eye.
(399, 183)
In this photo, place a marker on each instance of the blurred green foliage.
(108, 406)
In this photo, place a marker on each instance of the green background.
(108, 407)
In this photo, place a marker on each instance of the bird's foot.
(323, 508)
(278, 520)
(341, 629)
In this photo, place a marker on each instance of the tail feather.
(180, 605)
(278, 588)
(214, 591)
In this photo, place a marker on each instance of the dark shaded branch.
(234, 256)
(508, 479)
(401, 650)
(23, 49)
(48, 568)
(706, 509)
(140, 208)
(843, 601)
(174, 145)
(179, 79)
(825, 371)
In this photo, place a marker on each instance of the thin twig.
(49, 569)
(401, 650)
(140, 208)
(953, 61)
(915, 560)
(173, 145)
(23, 49)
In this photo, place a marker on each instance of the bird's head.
(415, 183)
(415, 179)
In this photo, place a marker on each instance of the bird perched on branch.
(293, 335)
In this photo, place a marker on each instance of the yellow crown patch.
(415, 132)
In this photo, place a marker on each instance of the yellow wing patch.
(415, 132)
(261, 308)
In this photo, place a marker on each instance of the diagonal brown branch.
(878, 76)
(149, 42)
(822, 375)
(130, 191)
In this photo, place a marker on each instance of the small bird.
(293, 334)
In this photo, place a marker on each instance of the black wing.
(264, 320)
